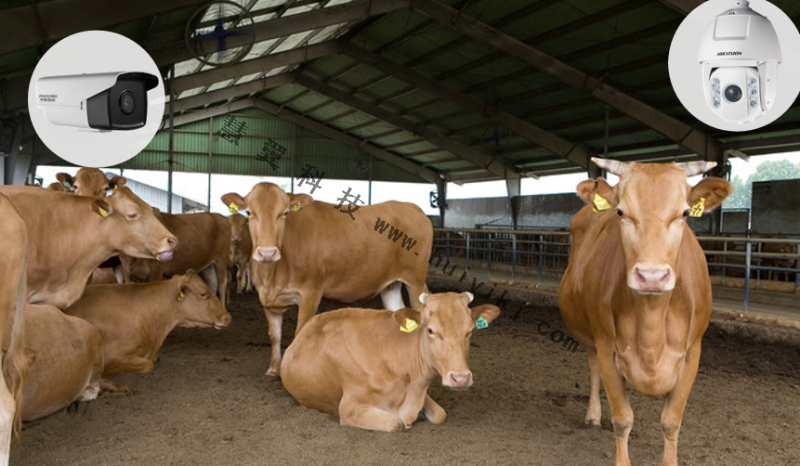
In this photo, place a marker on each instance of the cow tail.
(15, 363)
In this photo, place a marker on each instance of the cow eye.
(204, 295)
(431, 332)
(286, 213)
(619, 212)
(133, 216)
(686, 213)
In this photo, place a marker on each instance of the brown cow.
(13, 365)
(241, 249)
(305, 250)
(89, 231)
(89, 182)
(359, 364)
(636, 293)
(66, 361)
(786, 263)
(134, 319)
(204, 245)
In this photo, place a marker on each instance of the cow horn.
(612, 166)
(696, 168)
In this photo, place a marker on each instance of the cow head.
(268, 208)
(446, 324)
(135, 229)
(651, 204)
(89, 182)
(238, 226)
(196, 304)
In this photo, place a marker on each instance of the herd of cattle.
(99, 296)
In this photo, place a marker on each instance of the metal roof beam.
(570, 151)
(277, 60)
(286, 26)
(485, 176)
(209, 112)
(496, 165)
(360, 144)
(60, 18)
(683, 6)
(694, 139)
(230, 92)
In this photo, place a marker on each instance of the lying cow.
(204, 245)
(241, 248)
(305, 250)
(134, 319)
(69, 236)
(373, 367)
(636, 293)
(65, 359)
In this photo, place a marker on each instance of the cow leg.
(275, 322)
(674, 405)
(352, 413)
(392, 296)
(7, 409)
(138, 365)
(307, 308)
(209, 275)
(224, 277)
(414, 291)
(594, 413)
(240, 284)
(621, 413)
(434, 413)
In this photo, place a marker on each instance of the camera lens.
(733, 93)
(127, 104)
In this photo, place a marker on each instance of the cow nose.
(266, 255)
(652, 278)
(236, 239)
(227, 319)
(460, 379)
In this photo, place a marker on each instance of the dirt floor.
(209, 403)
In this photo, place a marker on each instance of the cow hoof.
(272, 373)
(592, 425)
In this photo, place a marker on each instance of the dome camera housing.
(739, 55)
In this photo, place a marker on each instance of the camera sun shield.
(96, 102)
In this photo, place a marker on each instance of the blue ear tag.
(481, 323)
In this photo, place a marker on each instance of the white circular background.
(96, 52)
(685, 70)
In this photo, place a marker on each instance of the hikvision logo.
(728, 54)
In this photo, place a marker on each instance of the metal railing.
(542, 252)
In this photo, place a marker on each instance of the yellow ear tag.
(103, 212)
(410, 326)
(297, 207)
(600, 203)
(181, 296)
(115, 189)
(698, 208)
(233, 208)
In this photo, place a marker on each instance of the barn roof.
(464, 90)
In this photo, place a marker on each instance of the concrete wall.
(776, 207)
(466, 213)
(548, 211)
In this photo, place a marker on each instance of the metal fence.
(542, 253)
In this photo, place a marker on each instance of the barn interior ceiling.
(461, 90)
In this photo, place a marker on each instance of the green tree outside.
(768, 171)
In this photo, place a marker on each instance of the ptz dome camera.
(739, 55)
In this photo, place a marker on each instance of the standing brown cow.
(14, 365)
(636, 293)
(305, 250)
(69, 236)
(204, 245)
(241, 249)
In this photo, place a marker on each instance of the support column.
(513, 188)
(210, 143)
(171, 135)
(441, 190)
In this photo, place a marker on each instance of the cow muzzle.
(651, 278)
(166, 254)
(458, 380)
(224, 322)
(266, 255)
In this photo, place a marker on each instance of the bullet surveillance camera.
(96, 102)
(739, 55)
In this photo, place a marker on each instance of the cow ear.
(489, 312)
(66, 180)
(597, 193)
(116, 182)
(156, 211)
(234, 202)
(709, 193)
(424, 297)
(405, 317)
(102, 208)
(298, 201)
(468, 296)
